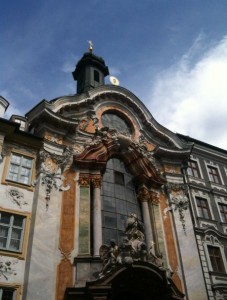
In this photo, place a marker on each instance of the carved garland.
(51, 165)
(178, 201)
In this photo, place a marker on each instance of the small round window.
(114, 121)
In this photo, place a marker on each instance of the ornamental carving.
(51, 162)
(132, 249)
(108, 143)
(154, 198)
(84, 180)
(51, 166)
(88, 125)
(96, 181)
(54, 138)
(178, 201)
(145, 194)
(16, 197)
(7, 268)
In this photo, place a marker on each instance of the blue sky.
(172, 54)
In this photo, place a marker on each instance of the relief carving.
(84, 180)
(54, 138)
(132, 249)
(96, 181)
(16, 197)
(51, 166)
(178, 201)
(7, 268)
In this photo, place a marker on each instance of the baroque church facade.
(100, 201)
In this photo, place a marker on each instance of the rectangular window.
(7, 293)
(214, 174)
(193, 169)
(11, 231)
(20, 169)
(216, 259)
(223, 211)
(203, 208)
(119, 178)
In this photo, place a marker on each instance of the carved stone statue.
(108, 256)
(132, 249)
(134, 226)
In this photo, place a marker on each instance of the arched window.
(96, 76)
(118, 200)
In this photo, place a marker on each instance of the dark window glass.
(11, 231)
(96, 76)
(118, 200)
(204, 211)
(216, 259)
(223, 211)
(214, 174)
(193, 169)
(6, 293)
(119, 178)
(114, 121)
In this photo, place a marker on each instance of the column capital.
(96, 181)
(143, 193)
(84, 179)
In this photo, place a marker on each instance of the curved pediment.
(108, 144)
(88, 110)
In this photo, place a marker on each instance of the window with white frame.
(7, 293)
(216, 259)
(11, 231)
(193, 169)
(223, 211)
(20, 169)
(214, 174)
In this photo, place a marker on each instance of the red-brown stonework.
(66, 242)
(170, 243)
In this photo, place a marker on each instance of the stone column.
(97, 216)
(144, 197)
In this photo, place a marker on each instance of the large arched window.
(118, 200)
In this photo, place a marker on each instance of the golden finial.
(90, 48)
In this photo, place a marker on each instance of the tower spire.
(90, 71)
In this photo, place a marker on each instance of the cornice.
(78, 106)
(178, 154)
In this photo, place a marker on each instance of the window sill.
(19, 255)
(18, 184)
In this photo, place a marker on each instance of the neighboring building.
(96, 202)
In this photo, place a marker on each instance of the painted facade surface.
(95, 190)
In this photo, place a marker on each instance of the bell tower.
(90, 71)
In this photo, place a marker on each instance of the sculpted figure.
(133, 226)
(108, 255)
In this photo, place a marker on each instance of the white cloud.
(191, 98)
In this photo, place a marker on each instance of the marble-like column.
(144, 196)
(97, 216)
(147, 223)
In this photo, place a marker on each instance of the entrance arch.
(142, 281)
